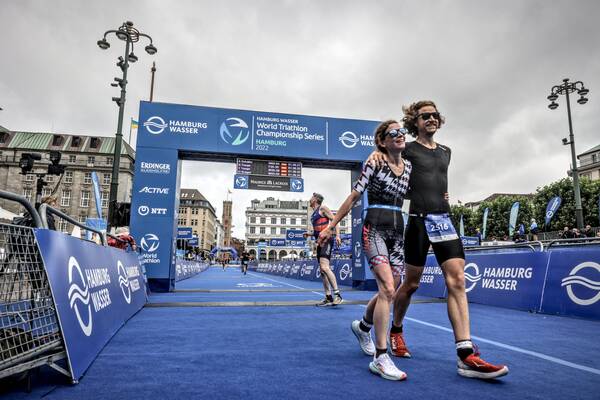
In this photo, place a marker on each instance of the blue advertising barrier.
(432, 282)
(96, 289)
(306, 270)
(187, 268)
(573, 283)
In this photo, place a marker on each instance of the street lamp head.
(565, 141)
(553, 106)
(582, 100)
(122, 35)
(583, 91)
(553, 97)
(132, 57)
(103, 44)
(150, 49)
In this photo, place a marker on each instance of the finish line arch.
(169, 133)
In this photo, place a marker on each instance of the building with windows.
(271, 218)
(197, 212)
(227, 223)
(81, 154)
(589, 163)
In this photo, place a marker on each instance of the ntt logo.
(79, 297)
(348, 139)
(155, 125)
(574, 279)
(472, 277)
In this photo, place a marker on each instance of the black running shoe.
(326, 302)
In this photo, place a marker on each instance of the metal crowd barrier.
(44, 209)
(29, 331)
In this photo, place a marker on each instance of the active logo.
(154, 190)
(345, 272)
(349, 139)
(229, 130)
(155, 125)
(473, 277)
(124, 281)
(79, 296)
(150, 242)
(574, 279)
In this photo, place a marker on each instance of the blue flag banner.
(485, 216)
(462, 226)
(97, 193)
(512, 221)
(552, 207)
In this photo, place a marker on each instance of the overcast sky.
(489, 65)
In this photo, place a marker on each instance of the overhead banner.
(96, 289)
(184, 232)
(512, 221)
(551, 208)
(485, 217)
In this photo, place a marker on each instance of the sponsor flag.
(462, 226)
(96, 185)
(485, 215)
(552, 207)
(512, 221)
(134, 124)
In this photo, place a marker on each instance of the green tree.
(497, 223)
(469, 219)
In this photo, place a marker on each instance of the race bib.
(440, 228)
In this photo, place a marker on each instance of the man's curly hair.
(411, 113)
(380, 134)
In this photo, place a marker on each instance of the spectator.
(478, 235)
(125, 239)
(566, 233)
(575, 233)
(588, 232)
(533, 229)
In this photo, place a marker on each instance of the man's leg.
(326, 271)
(458, 307)
(401, 302)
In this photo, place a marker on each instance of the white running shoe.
(385, 367)
(364, 339)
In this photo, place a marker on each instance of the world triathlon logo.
(234, 131)
(348, 139)
(357, 249)
(155, 125)
(149, 242)
(472, 277)
(318, 273)
(591, 285)
(79, 297)
(124, 282)
(345, 272)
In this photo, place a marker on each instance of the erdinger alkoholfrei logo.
(155, 125)
(124, 282)
(345, 271)
(79, 297)
(349, 139)
(150, 242)
(574, 279)
(234, 131)
(472, 277)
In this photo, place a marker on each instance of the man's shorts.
(416, 245)
(325, 250)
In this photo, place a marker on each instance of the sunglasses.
(394, 133)
(426, 116)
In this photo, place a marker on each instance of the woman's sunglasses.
(394, 133)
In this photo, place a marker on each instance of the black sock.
(379, 352)
(365, 325)
(329, 297)
(464, 348)
(396, 329)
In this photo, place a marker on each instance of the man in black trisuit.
(429, 225)
(244, 260)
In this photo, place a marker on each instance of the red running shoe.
(474, 367)
(398, 346)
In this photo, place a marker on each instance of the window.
(304, 222)
(282, 231)
(87, 178)
(106, 179)
(65, 198)
(292, 221)
(252, 220)
(283, 219)
(104, 199)
(109, 161)
(194, 211)
(85, 199)
(57, 140)
(49, 178)
(68, 176)
(263, 220)
(63, 225)
(82, 219)
(182, 210)
(262, 229)
(95, 143)
(194, 222)
(29, 177)
(273, 231)
(594, 158)
(91, 161)
(181, 221)
(27, 192)
(343, 222)
(252, 229)
(3, 137)
(72, 159)
(75, 141)
(46, 192)
(273, 220)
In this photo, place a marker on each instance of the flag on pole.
(134, 124)
(462, 226)
(485, 216)
(551, 209)
(512, 221)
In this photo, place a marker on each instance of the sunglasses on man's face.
(394, 133)
(427, 115)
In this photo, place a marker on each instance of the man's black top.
(428, 179)
(245, 257)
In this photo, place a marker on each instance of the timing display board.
(269, 168)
